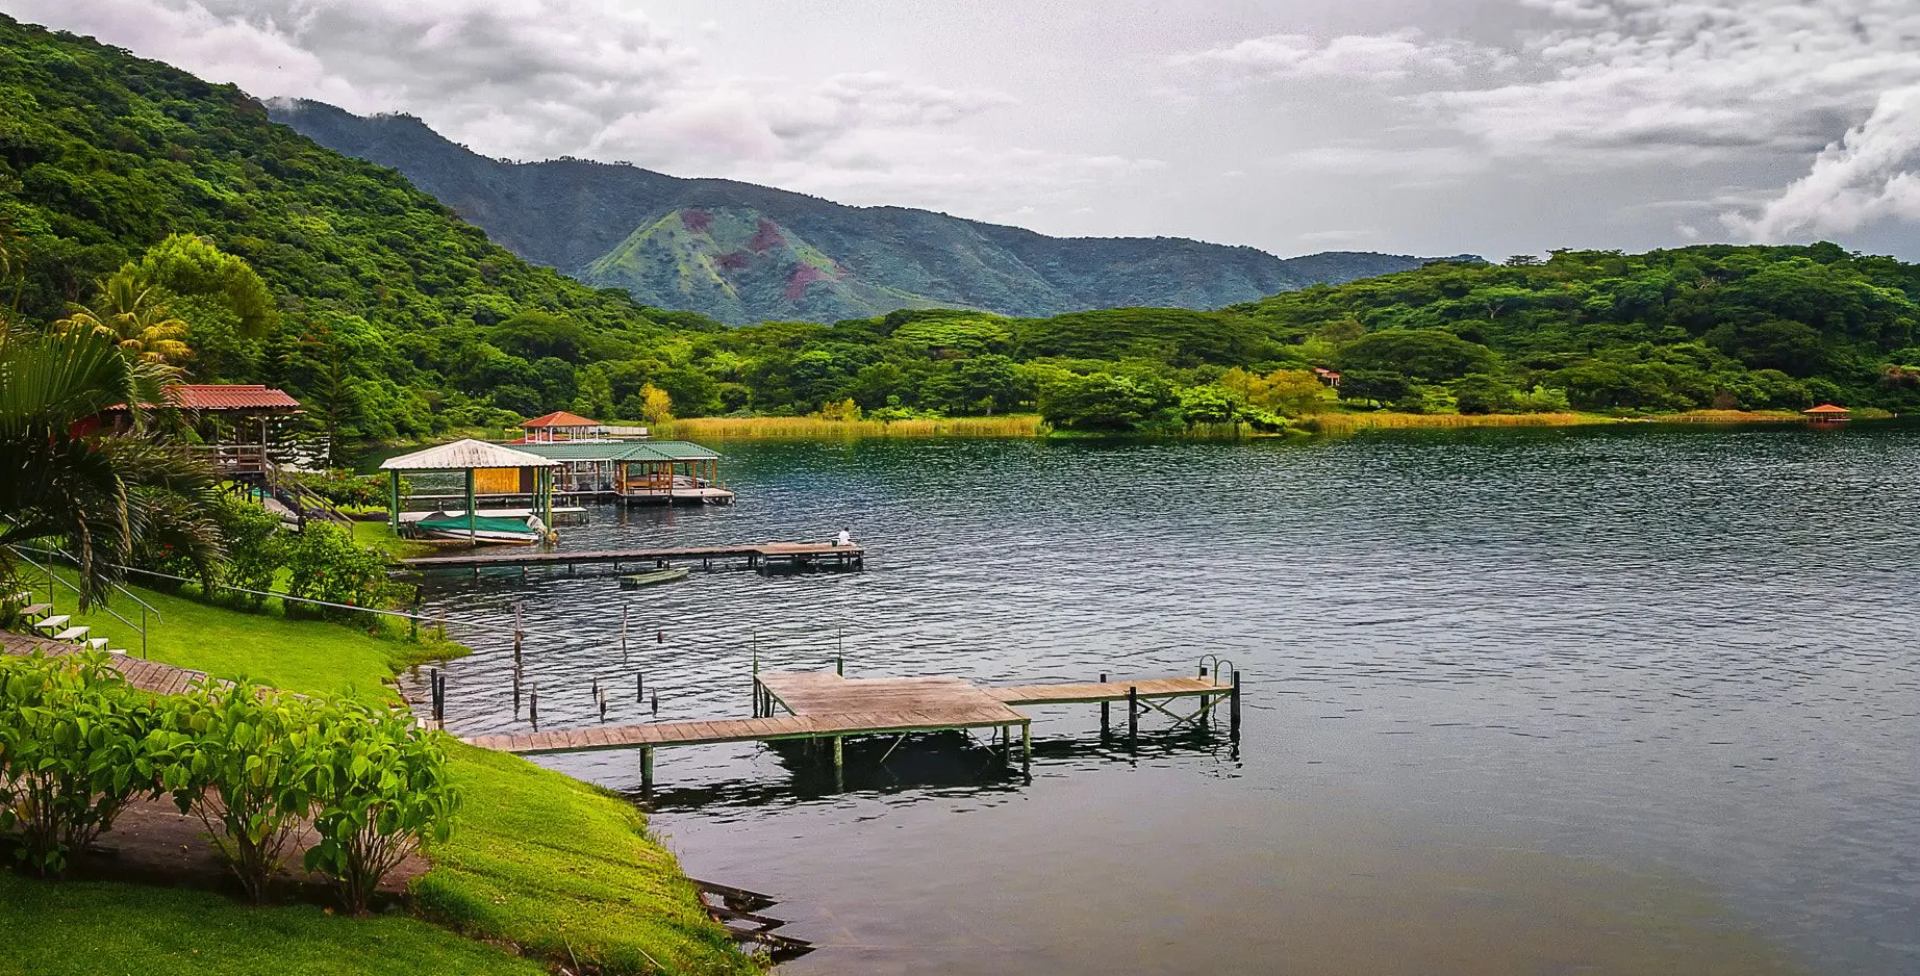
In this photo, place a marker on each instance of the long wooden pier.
(756, 555)
(828, 706)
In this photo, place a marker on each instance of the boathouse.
(489, 469)
(562, 427)
(1827, 413)
(664, 472)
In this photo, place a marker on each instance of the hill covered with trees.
(174, 213)
(746, 253)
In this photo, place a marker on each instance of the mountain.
(744, 253)
(396, 318)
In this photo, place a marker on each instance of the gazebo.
(501, 470)
(1827, 413)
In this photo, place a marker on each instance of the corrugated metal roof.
(561, 418)
(465, 454)
(620, 451)
(230, 396)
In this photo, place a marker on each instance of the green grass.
(536, 859)
(379, 535)
(566, 870)
(299, 655)
(100, 928)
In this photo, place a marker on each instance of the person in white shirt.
(845, 539)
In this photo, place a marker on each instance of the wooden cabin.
(665, 472)
(241, 426)
(1827, 413)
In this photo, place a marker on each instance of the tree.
(136, 315)
(1480, 393)
(1374, 386)
(596, 394)
(656, 407)
(1425, 354)
(98, 493)
(1208, 405)
(1103, 402)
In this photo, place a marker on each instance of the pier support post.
(1133, 716)
(1233, 707)
(1026, 749)
(1104, 706)
(533, 705)
(839, 764)
(646, 767)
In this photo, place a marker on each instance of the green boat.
(483, 528)
(638, 580)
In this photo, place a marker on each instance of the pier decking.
(825, 705)
(755, 555)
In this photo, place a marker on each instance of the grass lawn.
(299, 655)
(536, 859)
(101, 928)
(565, 869)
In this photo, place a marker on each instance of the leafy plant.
(242, 759)
(72, 753)
(324, 563)
(382, 786)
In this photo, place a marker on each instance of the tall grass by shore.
(806, 428)
(1343, 423)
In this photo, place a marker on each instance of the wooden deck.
(161, 679)
(825, 705)
(756, 555)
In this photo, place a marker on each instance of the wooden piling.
(533, 704)
(1103, 709)
(639, 687)
(1233, 707)
(1133, 715)
(1026, 749)
(646, 767)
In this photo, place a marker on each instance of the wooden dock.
(828, 706)
(756, 556)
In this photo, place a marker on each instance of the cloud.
(532, 79)
(1366, 57)
(1872, 174)
(1688, 83)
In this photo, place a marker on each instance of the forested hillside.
(136, 198)
(744, 253)
(387, 314)
(1698, 327)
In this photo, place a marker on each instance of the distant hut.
(489, 468)
(1827, 413)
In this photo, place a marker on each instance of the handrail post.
(143, 633)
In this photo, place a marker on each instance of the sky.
(1430, 127)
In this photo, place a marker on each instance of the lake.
(1621, 700)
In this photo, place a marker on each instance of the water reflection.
(1671, 665)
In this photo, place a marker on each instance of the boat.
(483, 529)
(636, 580)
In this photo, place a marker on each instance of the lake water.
(1621, 700)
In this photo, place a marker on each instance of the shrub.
(72, 754)
(344, 488)
(324, 563)
(256, 546)
(382, 787)
(242, 760)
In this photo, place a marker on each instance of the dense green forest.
(137, 198)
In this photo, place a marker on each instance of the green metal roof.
(620, 451)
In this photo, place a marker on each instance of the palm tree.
(99, 493)
(136, 315)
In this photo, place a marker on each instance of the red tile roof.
(226, 396)
(561, 418)
(230, 396)
(1827, 408)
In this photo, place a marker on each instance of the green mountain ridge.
(581, 217)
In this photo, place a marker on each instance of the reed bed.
(1731, 417)
(808, 428)
(1343, 423)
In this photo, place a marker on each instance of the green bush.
(324, 563)
(242, 759)
(72, 753)
(382, 787)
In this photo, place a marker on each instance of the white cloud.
(1368, 57)
(1870, 175)
(531, 79)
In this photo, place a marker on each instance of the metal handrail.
(52, 577)
(52, 549)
